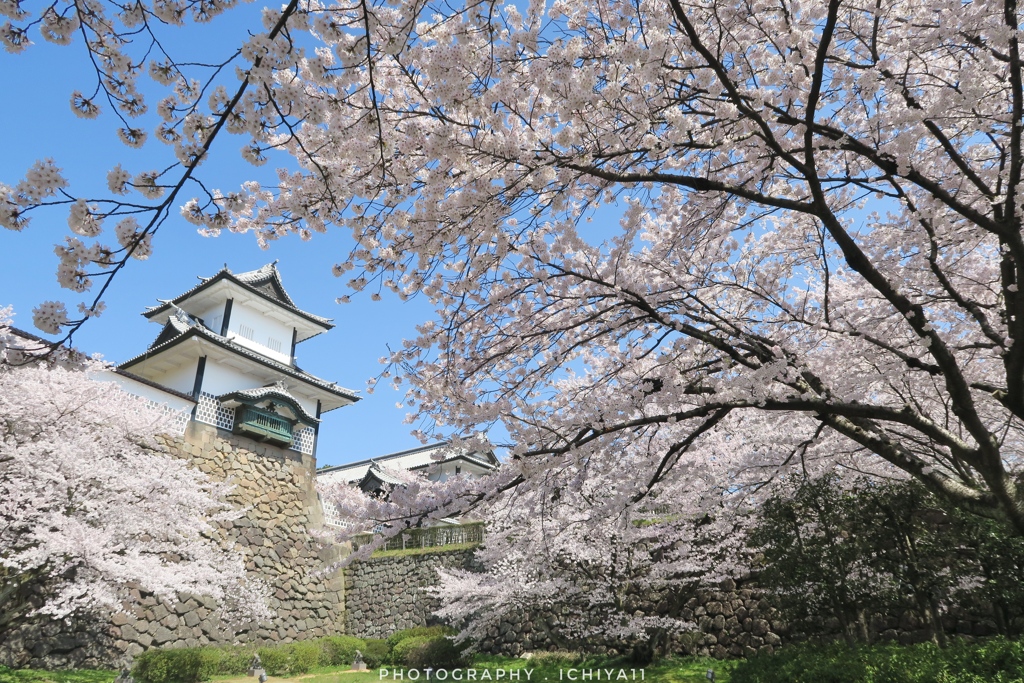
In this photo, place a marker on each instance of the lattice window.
(332, 516)
(246, 331)
(302, 440)
(179, 419)
(179, 416)
(274, 344)
(212, 412)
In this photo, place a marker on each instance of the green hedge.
(195, 664)
(341, 650)
(994, 661)
(402, 648)
(437, 653)
(418, 632)
(187, 665)
(376, 652)
(421, 647)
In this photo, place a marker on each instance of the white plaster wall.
(264, 329)
(182, 378)
(144, 390)
(220, 379)
(213, 316)
(349, 474)
(448, 470)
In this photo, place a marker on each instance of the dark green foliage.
(303, 656)
(420, 648)
(275, 660)
(376, 652)
(437, 653)
(994, 661)
(341, 650)
(186, 665)
(889, 548)
(418, 632)
(235, 659)
(403, 647)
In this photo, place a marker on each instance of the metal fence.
(430, 537)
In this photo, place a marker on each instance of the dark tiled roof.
(384, 476)
(151, 383)
(270, 392)
(264, 282)
(187, 326)
(491, 461)
(379, 458)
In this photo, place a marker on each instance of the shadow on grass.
(38, 676)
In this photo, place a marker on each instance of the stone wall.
(385, 594)
(276, 487)
(731, 621)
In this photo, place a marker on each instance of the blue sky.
(37, 122)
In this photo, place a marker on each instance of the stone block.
(162, 635)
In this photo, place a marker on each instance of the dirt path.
(282, 679)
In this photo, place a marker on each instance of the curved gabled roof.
(264, 282)
(413, 459)
(275, 391)
(181, 326)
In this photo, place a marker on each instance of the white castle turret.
(227, 348)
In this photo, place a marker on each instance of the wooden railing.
(430, 537)
(263, 425)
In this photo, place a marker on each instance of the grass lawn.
(511, 670)
(498, 670)
(36, 676)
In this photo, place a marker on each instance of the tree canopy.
(90, 509)
(817, 260)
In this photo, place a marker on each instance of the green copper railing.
(263, 425)
(430, 537)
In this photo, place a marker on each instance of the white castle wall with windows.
(228, 345)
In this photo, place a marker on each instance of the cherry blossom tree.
(819, 244)
(90, 509)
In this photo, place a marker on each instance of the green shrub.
(376, 653)
(437, 653)
(994, 661)
(186, 665)
(234, 659)
(341, 650)
(303, 656)
(558, 659)
(419, 632)
(401, 650)
(846, 550)
(275, 660)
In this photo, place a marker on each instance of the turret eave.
(195, 342)
(225, 285)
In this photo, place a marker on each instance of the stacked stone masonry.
(386, 594)
(276, 488)
(381, 595)
(730, 621)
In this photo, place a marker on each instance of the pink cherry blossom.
(92, 505)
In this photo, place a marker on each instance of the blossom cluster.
(91, 507)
